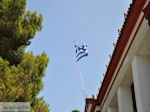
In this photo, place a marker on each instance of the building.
(126, 85)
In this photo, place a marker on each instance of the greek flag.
(81, 52)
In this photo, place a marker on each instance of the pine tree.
(21, 73)
(17, 27)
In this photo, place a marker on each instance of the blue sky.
(93, 22)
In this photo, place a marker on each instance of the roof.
(133, 14)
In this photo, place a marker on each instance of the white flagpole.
(82, 84)
(81, 80)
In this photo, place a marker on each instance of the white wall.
(141, 78)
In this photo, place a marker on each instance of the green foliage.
(9, 87)
(21, 73)
(32, 69)
(23, 82)
(17, 27)
(40, 105)
(75, 111)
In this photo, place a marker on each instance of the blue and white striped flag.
(81, 51)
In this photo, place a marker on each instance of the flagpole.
(82, 84)
(81, 80)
